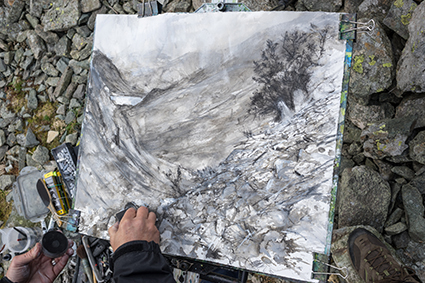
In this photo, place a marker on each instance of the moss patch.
(5, 207)
(358, 64)
(387, 65)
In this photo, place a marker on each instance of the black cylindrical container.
(54, 244)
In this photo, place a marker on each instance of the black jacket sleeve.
(141, 261)
(5, 280)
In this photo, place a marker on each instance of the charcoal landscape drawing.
(228, 133)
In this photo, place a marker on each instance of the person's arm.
(141, 260)
(137, 257)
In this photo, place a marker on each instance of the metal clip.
(367, 27)
(343, 269)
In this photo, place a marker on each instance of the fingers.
(142, 212)
(129, 214)
(151, 218)
(29, 256)
(61, 261)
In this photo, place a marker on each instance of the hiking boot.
(373, 261)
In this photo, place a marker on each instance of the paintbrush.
(81, 252)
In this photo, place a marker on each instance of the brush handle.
(87, 269)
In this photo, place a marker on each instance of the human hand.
(134, 226)
(34, 266)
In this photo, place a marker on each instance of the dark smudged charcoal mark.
(286, 67)
(213, 253)
(111, 76)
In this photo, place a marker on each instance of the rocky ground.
(45, 49)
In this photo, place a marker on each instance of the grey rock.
(80, 92)
(12, 30)
(63, 100)
(48, 36)
(399, 16)
(128, 8)
(413, 56)
(78, 41)
(11, 139)
(63, 46)
(89, 5)
(72, 139)
(52, 81)
(15, 11)
(401, 241)
(84, 31)
(70, 117)
(18, 55)
(16, 126)
(377, 9)
(32, 20)
(79, 66)
(327, 6)
(74, 103)
(373, 64)
(30, 161)
(364, 198)
(396, 229)
(404, 172)
(80, 119)
(63, 15)
(117, 7)
(62, 64)
(70, 90)
(419, 182)
(61, 110)
(2, 138)
(3, 150)
(394, 217)
(84, 53)
(49, 70)
(413, 205)
(79, 79)
(400, 158)
(384, 169)
(40, 79)
(22, 36)
(20, 139)
(5, 113)
(3, 45)
(3, 66)
(70, 33)
(417, 148)
(361, 115)
(8, 57)
(37, 7)
(92, 19)
(412, 106)
(63, 83)
(83, 19)
(27, 62)
(41, 155)
(30, 139)
(352, 6)
(36, 44)
(6, 181)
(32, 100)
(387, 138)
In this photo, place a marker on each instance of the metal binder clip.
(367, 27)
(343, 269)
